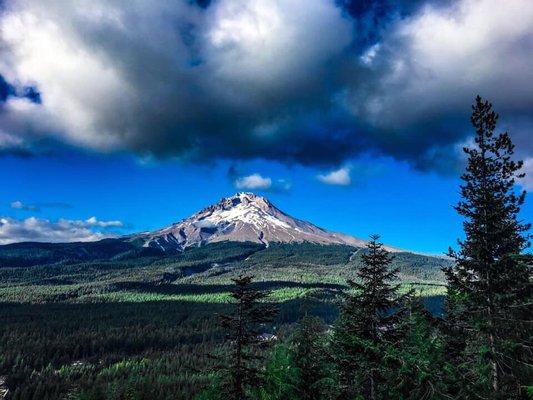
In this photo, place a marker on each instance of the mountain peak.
(244, 197)
(242, 217)
(241, 200)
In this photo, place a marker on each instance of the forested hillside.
(146, 326)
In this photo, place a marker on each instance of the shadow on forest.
(67, 315)
(166, 312)
(147, 287)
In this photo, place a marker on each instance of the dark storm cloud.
(420, 79)
(373, 16)
(202, 80)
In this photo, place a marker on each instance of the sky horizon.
(128, 116)
(424, 223)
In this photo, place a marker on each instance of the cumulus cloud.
(169, 78)
(93, 221)
(421, 79)
(242, 79)
(340, 177)
(252, 182)
(42, 230)
(246, 181)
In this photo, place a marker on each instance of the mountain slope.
(27, 254)
(244, 217)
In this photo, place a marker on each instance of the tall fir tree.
(243, 337)
(489, 285)
(280, 376)
(309, 352)
(367, 325)
(300, 368)
(452, 332)
(417, 366)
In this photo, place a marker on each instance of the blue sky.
(129, 115)
(410, 209)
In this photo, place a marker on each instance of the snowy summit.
(244, 217)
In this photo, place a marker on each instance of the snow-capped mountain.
(240, 218)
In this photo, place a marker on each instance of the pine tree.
(490, 281)
(308, 350)
(367, 325)
(452, 332)
(417, 366)
(243, 337)
(280, 376)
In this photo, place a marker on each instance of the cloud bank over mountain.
(313, 84)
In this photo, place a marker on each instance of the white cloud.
(527, 181)
(93, 221)
(19, 205)
(243, 79)
(264, 45)
(432, 64)
(9, 141)
(254, 181)
(368, 56)
(282, 185)
(42, 230)
(154, 77)
(340, 177)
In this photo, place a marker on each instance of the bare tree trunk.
(374, 338)
(492, 348)
(238, 373)
(494, 365)
(491, 332)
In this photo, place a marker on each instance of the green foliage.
(142, 327)
(367, 326)
(281, 376)
(243, 337)
(102, 348)
(415, 368)
(491, 280)
(310, 351)
(28, 254)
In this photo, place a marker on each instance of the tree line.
(385, 345)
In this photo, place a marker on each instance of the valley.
(290, 270)
(147, 324)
